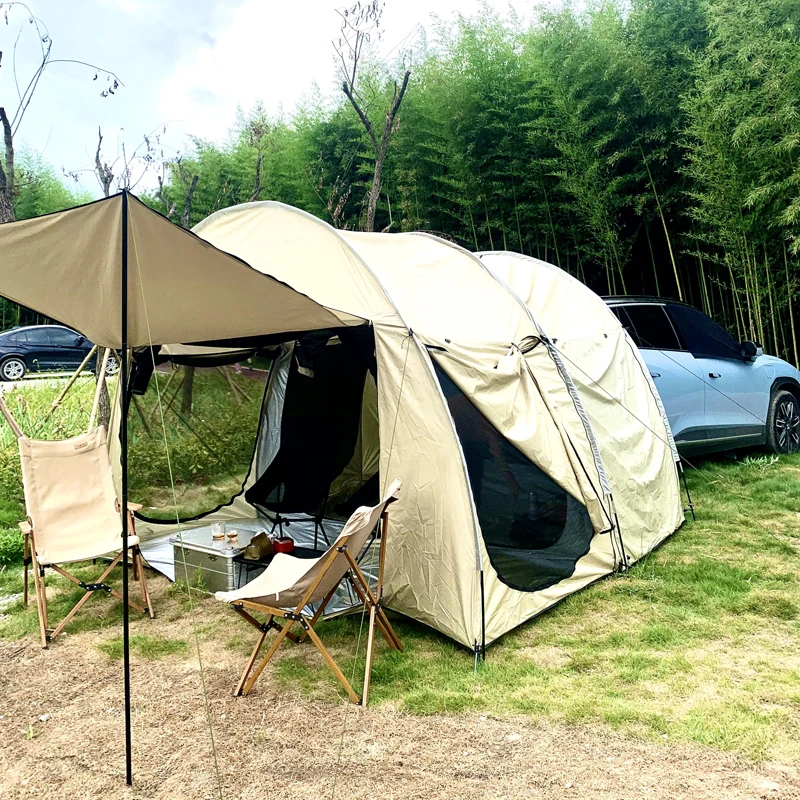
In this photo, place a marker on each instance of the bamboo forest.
(647, 147)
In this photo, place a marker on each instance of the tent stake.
(126, 649)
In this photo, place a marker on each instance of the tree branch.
(361, 115)
(398, 98)
(257, 188)
(170, 208)
(187, 209)
(105, 174)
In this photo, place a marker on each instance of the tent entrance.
(326, 461)
(534, 531)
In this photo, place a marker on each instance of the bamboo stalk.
(664, 223)
(791, 312)
(652, 257)
(772, 316)
(737, 306)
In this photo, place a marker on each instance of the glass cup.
(217, 531)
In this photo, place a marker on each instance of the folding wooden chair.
(290, 585)
(72, 515)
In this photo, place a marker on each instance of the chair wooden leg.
(143, 584)
(252, 660)
(333, 665)
(41, 599)
(26, 560)
(318, 613)
(271, 652)
(75, 609)
(392, 639)
(381, 619)
(368, 657)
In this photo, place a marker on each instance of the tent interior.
(314, 463)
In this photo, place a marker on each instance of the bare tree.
(360, 22)
(132, 168)
(10, 120)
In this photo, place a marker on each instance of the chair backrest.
(354, 536)
(70, 497)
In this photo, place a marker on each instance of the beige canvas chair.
(73, 515)
(290, 584)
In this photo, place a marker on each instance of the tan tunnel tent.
(523, 482)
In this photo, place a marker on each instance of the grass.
(152, 647)
(209, 452)
(699, 642)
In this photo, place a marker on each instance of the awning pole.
(126, 651)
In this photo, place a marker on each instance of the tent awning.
(68, 266)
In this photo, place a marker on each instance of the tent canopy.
(68, 266)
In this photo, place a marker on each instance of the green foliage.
(645, 146)
(697, 642)
(39, 190)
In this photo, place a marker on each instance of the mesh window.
(211, 416)
(533, 530)
(320, 431)
(702, 335)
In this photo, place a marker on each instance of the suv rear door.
(39, 352)
(737, 391)
(66, 355)
(674, 370)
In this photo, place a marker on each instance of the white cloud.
(274, 53)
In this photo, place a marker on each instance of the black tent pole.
(123, 389)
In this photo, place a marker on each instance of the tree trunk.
(375, 191)
(6, 170)
(104, 404)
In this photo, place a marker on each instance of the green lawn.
(699, 642)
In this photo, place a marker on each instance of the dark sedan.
(45, 348)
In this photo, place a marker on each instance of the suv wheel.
(783, 423)
(13, 369)
(112, 366)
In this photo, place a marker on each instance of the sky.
(184, 64)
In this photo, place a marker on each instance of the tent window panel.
(533, 530)
(211, 417)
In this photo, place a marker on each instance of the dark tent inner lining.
(320, 430)
(534, 531)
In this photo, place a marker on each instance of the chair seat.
(272, 586)
(71, 555)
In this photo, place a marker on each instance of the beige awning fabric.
(68, 266)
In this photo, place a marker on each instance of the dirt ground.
(275, 744)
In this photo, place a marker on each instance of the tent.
(526, 477)
(126, 277)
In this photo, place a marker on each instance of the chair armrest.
(26, 528)
(131, 506)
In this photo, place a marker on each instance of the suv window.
(61, 337)
(34, 336)
(702, 335)
(649, 326)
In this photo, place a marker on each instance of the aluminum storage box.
(209, 565)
